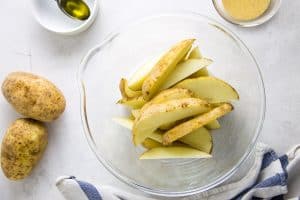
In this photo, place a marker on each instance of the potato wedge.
(128, 123)
(195, 123)
(134, 103)
(185, 69)
(201, 72)
(164, 67)
(213, 125)
(211, 89)
(136, 81)
(126, 91)
(199, 139)
(169, 94)
(174, 152)
(195, 53)
(168, 126)
(157, 136)
(158, 114)
(150, 143)
(125, 122)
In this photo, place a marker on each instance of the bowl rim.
(124, 178)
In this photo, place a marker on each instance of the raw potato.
(157, 136)
(125, 122)
(164, 67)
(150, 143)
(196, 54)
(136, 81)
(213, 125)
(134, 103)
(158, 114)
(174, 101)
(128, 123)
(184, 70)
(173, 152)
(210, 88)
(168, 126)
(22, 147)
(170, 94)
(201, 72)
(33, 96)
(126, 91)
(199, 139)
(195, 123)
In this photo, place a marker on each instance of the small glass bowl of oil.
(51, 17)
(268, 13)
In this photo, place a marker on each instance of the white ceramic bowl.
(270, 12)
(48, 15)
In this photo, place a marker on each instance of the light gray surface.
(26, 46)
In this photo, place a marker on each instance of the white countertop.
(24, 45)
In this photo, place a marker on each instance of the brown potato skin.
(22, 147)
(33, 96)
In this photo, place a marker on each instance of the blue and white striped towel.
(266, 178)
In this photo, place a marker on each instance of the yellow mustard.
(245, 10)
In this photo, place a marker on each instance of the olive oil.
(77, 9)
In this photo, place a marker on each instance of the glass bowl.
(126, 50)
(266, 16)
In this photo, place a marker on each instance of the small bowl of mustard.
(247, 13)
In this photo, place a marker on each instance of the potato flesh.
(170, 94)
(173, 152)
(158, 114)
(201, 72)
(124, 122)
(184, 70)
(164, 67)
(167, 126)
(195, 123)
(128, 124)
(210, 88)
(150, 143)
(195, 53)
(213, 125)
(199, 139)
(136, 81)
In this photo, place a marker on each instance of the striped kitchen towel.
(266, 178)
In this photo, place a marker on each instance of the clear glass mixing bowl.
(121, 54)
